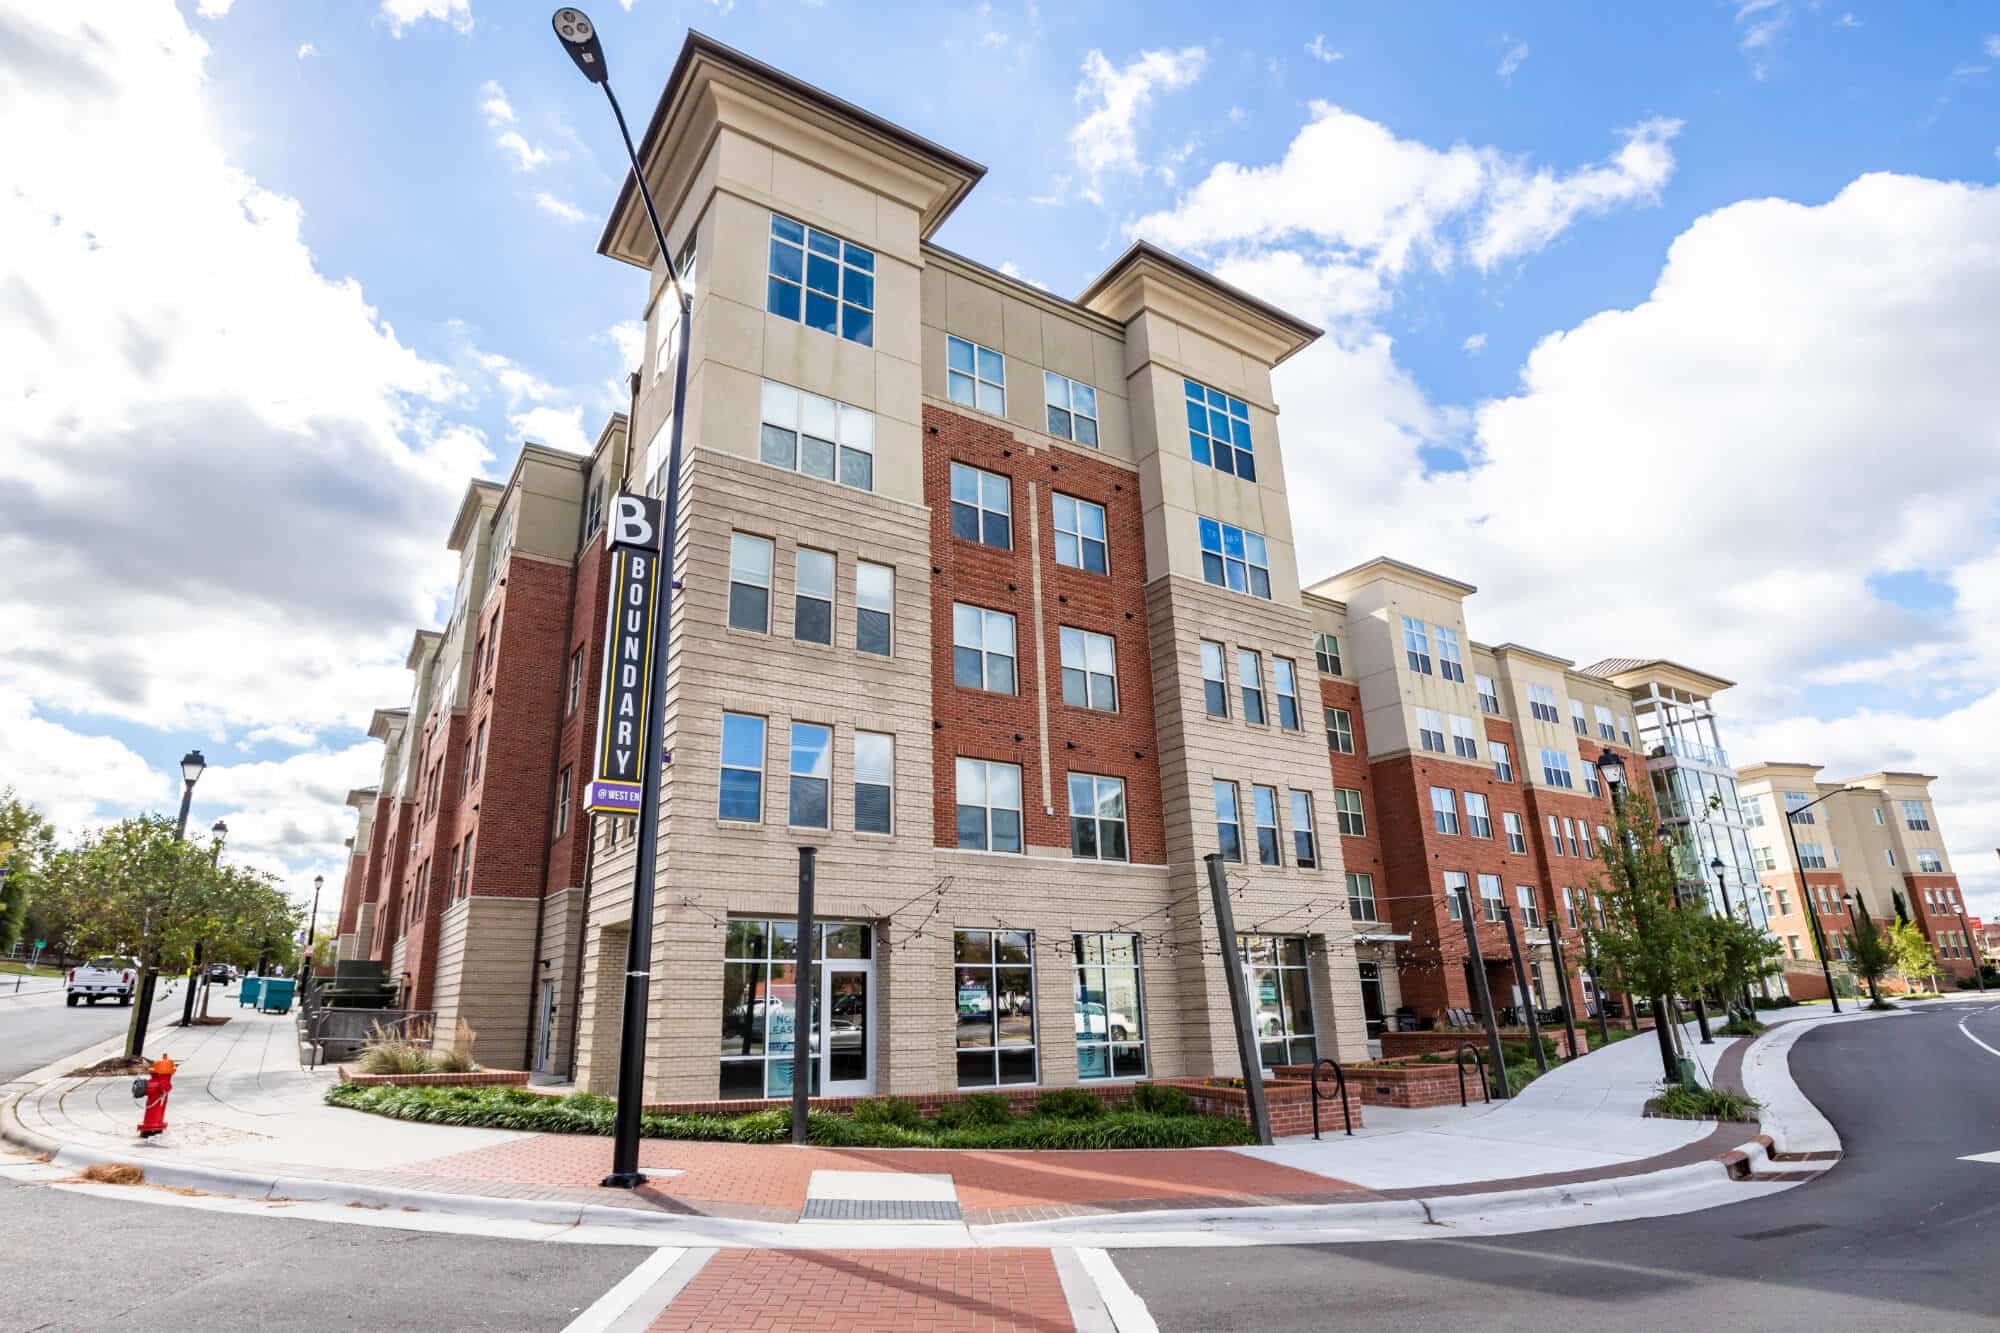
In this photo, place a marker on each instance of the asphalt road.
(1900, 1234)
(36, 1027)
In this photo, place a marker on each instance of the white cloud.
(305, 49)
(1513, 54)
(557, 427)
(499, 113)
(629, 337)
(77, 780)
(1526, 212)
(1993, 45)
(1475, 342)
(1106, 140)
(527, 157)
(290, 816)
(1013, 270)
(1762, 22)
(404, 14)
(1320, 51)
(1237, 115)
(493, 101)
(1847, 21)
(214, 9)
(560, 208)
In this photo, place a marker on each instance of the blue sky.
(354, 242)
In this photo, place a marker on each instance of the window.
(1577, 719)
(1455, 885)
(1416, 645)
(1110, 1030)
(1264, 803)
(465, 768)
(1478, 822)
(1542, 704)
(465, 867)
(1361, 896)
(478, 752)
(1449, 665)
(1503, 760)
(1590, 783)
(1228, 822)
(821, 281)
(1219, 430)
(478, 658)
(1281, 994)
(1517, 833)
(993, 978)
(1080, 535)
(1347, 812)
(1889, 854)
(573, 686)
(975, 376)
(1763, 858)
(1576, 834)
(1250, 676)
(1463, 743)
(1590, 845)
(874, 782)
(1555, 769)
(750, 582)
(989, 806)
(1625, 732)
(1929, 862)
(1214, 685)
(803, 432)
(1795, 802)
(1556, 838)
(1072, 409)
(759, 981)
(1235, 558)
(1531, 911)
(742, 787)
(874, 608)
(1877, 812)
(1444, 810)
(1489, 694)
(982, 507)
(811, 773)
(812, 607)
(1097, 818)
(1930, 899)
(1490, 898)
(1914, 817)
(1792, 941)
(1430, 729)
(1305, 840)
(562, 802)
(1339, 731)
(1605, 726)
(1569, 907)
(1326, 653)
(982, 649)
(1285, 679)
(1812, 856)
(1753, 813)
(1089, 669)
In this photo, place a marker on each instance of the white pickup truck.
(102, 979)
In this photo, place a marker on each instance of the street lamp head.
(192, 765)
(1715, 864)
(317, 881)
(1612, 768)
(219, 829)
(579, 38)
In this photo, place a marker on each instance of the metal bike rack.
(1340, 1079)
(1485, 1080)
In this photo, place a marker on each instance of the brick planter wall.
(482, 1078)
(1289, 1101)
(1396, 1044)
(1115, 1096)
(1411, 1085)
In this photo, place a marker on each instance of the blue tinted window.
(1219, 431)
(1235, 559)
(822, 281)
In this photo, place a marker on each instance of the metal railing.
(1340, 1079)
(332, 1033)
(1485, 1079)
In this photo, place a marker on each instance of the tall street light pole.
(192, 766)
(1805, 890)
(579, 39)
(1722, 883)
(312, 930)
(1612, 769)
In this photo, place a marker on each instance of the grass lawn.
(22, 969)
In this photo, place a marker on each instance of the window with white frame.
(989, 806)
(812, 602)
(1556, 837)
(1490, 898)
(1577, 720)
(1097, 818)
(1517, 833)
(1281, 989)
(1430, 729)
(982, 507)
(1590, 783)
(1444, 810)
(1753, 813)
(1555, 769)
(1763, 858)
(1339, 731)
(1449, 665)
(982, 649)
(1305, 836)
(573, 686)
(821, 281)
(874, 782)
(741, 789)
(1250, 679)
(1455, 886)
(1606, 725)
(811, 774)
(1576, 834)
(1416, 645)
(1347, 812)
(1503, 760)
(874, 608)
(750, 582)
(1264, 810)
(1219, 430)
(1072, 408)
(1795, 807)
(1542, 704)
(1464, 742)
(1089, 669)
(1569, 907)
(1531, 909)
(1929, 862)
(1110, 1029)
(1228, 822)
(1080, 539)
(975, 376)
(1489, 694)
(1285, 684)
(1326, 653)
(1361, 896)
(562, 802)
(819, 437)
(1915, 817)
(1877, 812)
(1478, 820)
(1234, 558)
(1812, 856)
(1603, 836)
(1214, 683)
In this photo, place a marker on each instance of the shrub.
(1153, 1099)
(386, 1054)
(1737, 1027)
(1069, 1104)
(1678, 1103)
(887, 1111)
(987, 1108)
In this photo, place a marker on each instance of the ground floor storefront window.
(759, 1015)
(1280, 997)
(1110, 1028)
(993, 975)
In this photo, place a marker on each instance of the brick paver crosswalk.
(879, 1291)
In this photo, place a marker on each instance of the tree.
(1732, 954)
(1870, 955)
(1912, 953)
(26, 842)
(1646, 945)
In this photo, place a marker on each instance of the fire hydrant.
(158, 1085)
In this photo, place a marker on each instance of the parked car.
(219, 974)
(101, 979)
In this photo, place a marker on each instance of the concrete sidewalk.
(246, 1120)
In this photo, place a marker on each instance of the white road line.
(606, 1309)
(1974, 1040)
(1128, 1312)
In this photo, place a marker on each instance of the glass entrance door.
(545, 1027)
(1371, 998)
(847, 1043)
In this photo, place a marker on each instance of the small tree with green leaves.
(1646, 945)
(1912, 953)
(1870, 956)
(26, 843)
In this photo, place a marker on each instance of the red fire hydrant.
(158, 1085)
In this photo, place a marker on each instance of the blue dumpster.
(248, 995)
(276, 996)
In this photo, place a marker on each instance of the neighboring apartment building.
(1872, 845)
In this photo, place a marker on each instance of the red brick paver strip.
(879, 1291)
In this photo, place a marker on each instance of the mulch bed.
(109, 1068)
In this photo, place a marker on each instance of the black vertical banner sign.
(633, 536)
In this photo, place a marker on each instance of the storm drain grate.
(880, 1210)
(1796, 1229)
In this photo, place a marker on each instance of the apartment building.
(1868, 844)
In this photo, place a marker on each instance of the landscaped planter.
(1409, 1084)
(1288, 1100)
(478, 1078)
(1115, 1096)
(1397, 1044)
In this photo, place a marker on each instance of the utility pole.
(804, 976)
(1502, 1088)
(1239, 1001)
(1527, 991)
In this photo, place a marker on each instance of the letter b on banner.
(635, 522)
